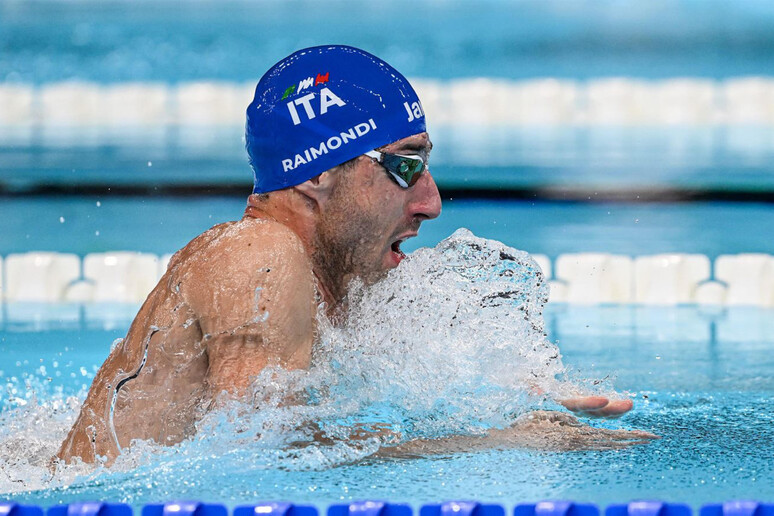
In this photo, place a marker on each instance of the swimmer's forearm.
(539, 430)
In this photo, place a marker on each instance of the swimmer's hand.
(592, 406)
(597, 406)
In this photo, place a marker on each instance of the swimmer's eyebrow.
(415, 147)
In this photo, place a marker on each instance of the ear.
(319, 188)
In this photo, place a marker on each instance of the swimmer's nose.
(426, 201)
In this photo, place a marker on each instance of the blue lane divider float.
(15, 509)
(462, 509)
(648, 508)
(738, 508)
(556, 508)
(377, 508)
(370, 508)
(90, 509)
(184, 508)
(275, 509)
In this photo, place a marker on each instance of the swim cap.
(322, 106)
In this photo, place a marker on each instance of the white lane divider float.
(473, 101)
(581, 278)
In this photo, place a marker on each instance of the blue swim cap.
(322, 106)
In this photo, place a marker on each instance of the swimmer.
(339, 149)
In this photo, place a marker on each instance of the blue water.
(702, 380)
(168, 42)
(163, 225)
(172, 41)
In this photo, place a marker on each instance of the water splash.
(450, 342)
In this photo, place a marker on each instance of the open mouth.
(396, 248)
(397, 254)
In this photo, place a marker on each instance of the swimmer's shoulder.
(270, 234)
(252, 265)
(240, 239)
(256, 241)
(243, 254)
(197, 245)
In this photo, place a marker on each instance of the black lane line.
(566, 194)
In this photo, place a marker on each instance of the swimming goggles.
(404, 169)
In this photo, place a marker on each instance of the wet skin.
(244, 295)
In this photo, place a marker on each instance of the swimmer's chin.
(390, 261)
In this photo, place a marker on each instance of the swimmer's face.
(368, 215)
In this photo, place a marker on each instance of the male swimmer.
(338, 145)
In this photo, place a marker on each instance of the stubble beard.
(346, 245)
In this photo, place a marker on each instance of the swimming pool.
(86, 224)
(700, 376)
(701, 379)
(614, 100)
(493, 38)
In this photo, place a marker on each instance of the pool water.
(596, 158)
(160, 225)
(490, 38)
(700, 380)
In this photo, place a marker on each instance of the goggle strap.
(378, 156)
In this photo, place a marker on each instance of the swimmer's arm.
(260, 311)
(357, 432)
(539, 430)
(281, 336)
